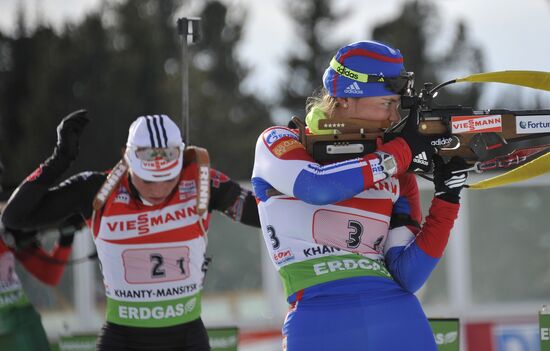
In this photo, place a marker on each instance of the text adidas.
(421, 159)
(441, 141)
(346, 72)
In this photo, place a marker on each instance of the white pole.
(458, 266)
(272, 288)
(84, 283)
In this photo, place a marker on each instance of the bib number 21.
(154, 265)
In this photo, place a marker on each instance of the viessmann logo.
(532, 124)
(476, 124)
(144, 222)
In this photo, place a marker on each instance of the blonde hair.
(322, 101)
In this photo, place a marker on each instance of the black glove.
(448, 178)
(420, 145)
(66, 240)
(68, 134)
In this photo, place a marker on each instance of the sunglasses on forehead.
(400, 85)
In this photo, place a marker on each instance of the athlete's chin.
(156, 200)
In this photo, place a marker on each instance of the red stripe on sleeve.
(408, 188)
(434, 235)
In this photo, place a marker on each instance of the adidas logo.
(353, 88)
(421, 158)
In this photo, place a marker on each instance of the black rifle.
(486, 139)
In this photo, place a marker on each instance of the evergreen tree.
(118, 70)
(16, 61)
(313, 19)
(65, 72)
(413, 31)
(132, 79)
(223, 119)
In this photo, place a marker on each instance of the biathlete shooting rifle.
(486, 139)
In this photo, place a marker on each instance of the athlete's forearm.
(412, 255)
(34, 204)
(236, 202)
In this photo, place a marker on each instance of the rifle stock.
(490, 138)
(345, 138)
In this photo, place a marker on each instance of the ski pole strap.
(201, 157)
(110, 184)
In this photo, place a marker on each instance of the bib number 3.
(355, 234)
(350, 232)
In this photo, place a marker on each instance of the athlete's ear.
(342, 101)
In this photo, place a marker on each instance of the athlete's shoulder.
(273, 134)
(283, 143)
